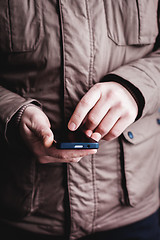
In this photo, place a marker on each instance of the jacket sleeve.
(144, 75)
(142, 78)
(10, 103)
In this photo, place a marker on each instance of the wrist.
(12, 131)
(19, 114)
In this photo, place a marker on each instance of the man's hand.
(106, 110)
(35, 131)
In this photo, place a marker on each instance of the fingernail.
(96, 136)
(72, 126)
(89, 133)
(48, 141)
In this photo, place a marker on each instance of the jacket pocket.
(141, 158)
(20, 25)
(132, 22)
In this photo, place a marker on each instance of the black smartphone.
(76, 140)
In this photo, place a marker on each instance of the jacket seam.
(105, 4)
(91, 65)
(10, 26)
(139, 17)
(69, 199)
(94, 193)
(63, 56)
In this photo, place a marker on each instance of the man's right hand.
(37, 135)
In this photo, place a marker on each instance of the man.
(92, 64)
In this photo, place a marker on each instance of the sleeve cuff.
(12, 131)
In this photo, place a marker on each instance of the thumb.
(48, 138)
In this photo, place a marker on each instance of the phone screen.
(76, 140)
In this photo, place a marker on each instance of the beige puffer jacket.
(54, 50)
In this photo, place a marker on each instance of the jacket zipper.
(126, 201)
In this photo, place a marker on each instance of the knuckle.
(98, 86)
(102, 129)
(121, 105)
(129, 116)
(77, 116)
(96, 89)
(85, 101)
(111, 94)
(35, 119)
(64, 156)
(92, 119)
(114, 133)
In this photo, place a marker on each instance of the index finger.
(83, 108)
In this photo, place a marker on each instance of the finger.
(83, 107)
(64, 156)
(97, 113)
(48, 139)
(117, 129)
(108, 121)
(43, 133)
(49, 159)
(88, 133)
(96, 136)
(68, 154)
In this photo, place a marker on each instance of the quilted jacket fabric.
(51, 53)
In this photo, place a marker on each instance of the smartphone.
(76, 140)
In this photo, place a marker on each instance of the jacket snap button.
(158, 121)
(130, 135)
